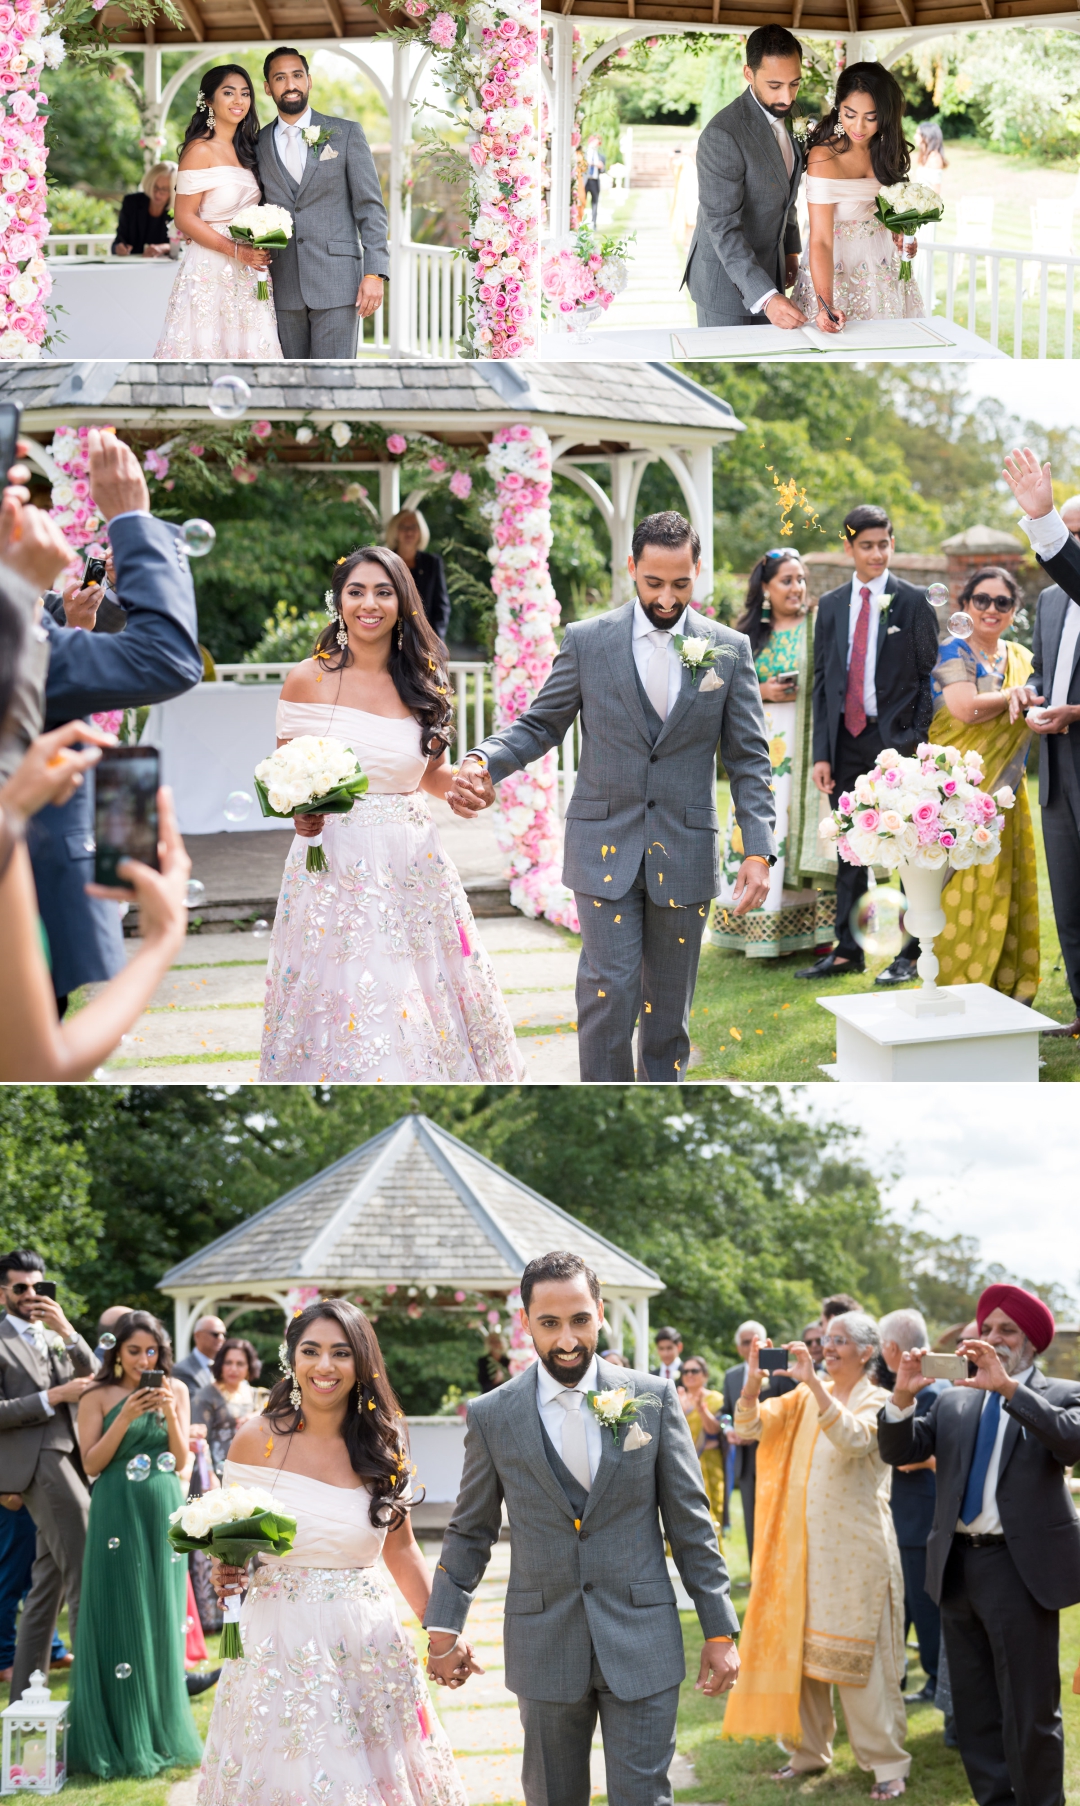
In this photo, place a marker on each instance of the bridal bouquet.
(234, 1524)
(309, 776)
(927, 811)
(904, 207)
(267, 228)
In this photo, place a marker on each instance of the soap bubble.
(114, 1542)
(877, 922)
(238, 805)
(260, 929)
(195, 895)
(138, 1468)
(175, 1556)
(961, 626)
(230, 397)
(188, 1623)
(166, 1463)
(197, 537)
(108, 1340)
(122, 1671)
(937, 594)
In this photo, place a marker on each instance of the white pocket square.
(636, 1438)
(328, 154)
(892, 630)
(711, 681)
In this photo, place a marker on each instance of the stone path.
(204, 1022)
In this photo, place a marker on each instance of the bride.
(328, 1705)
(851, 262)
(213, 311)
(376, 971)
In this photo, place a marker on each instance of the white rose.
(341, 433)
(908, 840)
(888, 855)
(888, 759)
(304, 435)
(15, 180)
(22, 289)
(827, 829)
(694, 649)
(932, 857)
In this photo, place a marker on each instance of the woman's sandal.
(888, 1790)
(787, 1773)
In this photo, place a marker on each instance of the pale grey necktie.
(784, 141)
(294, 152)
(656, 674)
(575, 1449)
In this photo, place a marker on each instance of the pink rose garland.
(527, 609)
(505, 191)
(25, 282)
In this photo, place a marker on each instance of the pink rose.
(987, 805)
(438, 465)
(262, 429)
(461, 485)
(508, 29)
(845, 802)
(397, 443)
(893, 778)
(949, 786)
(477, 156)
(196, 450)
(868, 821)
(443, 32)
(945, 839)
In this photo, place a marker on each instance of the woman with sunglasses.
(991, 933)
(702, 1409)
(777, 620)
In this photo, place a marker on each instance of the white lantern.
(35, 1741)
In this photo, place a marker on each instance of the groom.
(592, 1627)
(329, 276)
(641, 852)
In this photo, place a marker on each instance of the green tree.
(93, 131)
(45, 1186)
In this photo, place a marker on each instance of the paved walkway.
(652, 296)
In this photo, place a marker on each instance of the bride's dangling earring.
(342, 633)
(400, 635)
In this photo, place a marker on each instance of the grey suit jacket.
(599, 1582)
(339, 221)
(1049, 621)
(635, 791)
(194, 1375)
(746, 221)
(25, 1429)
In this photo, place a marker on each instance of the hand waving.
(1030, 482)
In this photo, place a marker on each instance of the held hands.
(471, 790)
(1029, 482)
(719, 1669)
(370, 295)
(1057, 720)
(453, 1664)
(751, 886)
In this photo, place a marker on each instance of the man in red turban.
(1003, 1557)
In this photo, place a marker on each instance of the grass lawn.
(752, 1019)
(738, 1773)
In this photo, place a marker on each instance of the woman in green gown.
(129, 1711)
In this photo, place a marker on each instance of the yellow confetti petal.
(759, 1031)
(607, 879)
(601, 993)
(735, 1033)
(596, 902)
(619, 919)
(682, 943)
(603, 852)
(648, 1009)
(678, 1068)
(659, 877)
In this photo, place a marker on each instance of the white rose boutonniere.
(316, 136)
(615, 1410)
(699, 654)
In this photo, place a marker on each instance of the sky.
(994, 1161)
(1033, 389)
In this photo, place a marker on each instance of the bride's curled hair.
(890, 153)
(417, 666)
(374, 1429)
(246, 136)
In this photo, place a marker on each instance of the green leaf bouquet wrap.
(233, 1524)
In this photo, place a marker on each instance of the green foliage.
(45, 1186)
(72, 210)
(723, 77)
(287, 634)
(1018, 89)
(93, 130)
(580, 556)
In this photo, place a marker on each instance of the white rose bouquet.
(233, 1524)
(267, 228)
(927, 811)
(904, 207)
(309, 776)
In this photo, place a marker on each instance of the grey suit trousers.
(1061, 838)
(318, 332)
(639, 964)
(639, 1743)
(59, 1504)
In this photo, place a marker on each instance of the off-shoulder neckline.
(293, 1475)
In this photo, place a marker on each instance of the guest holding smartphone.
(129, 1702)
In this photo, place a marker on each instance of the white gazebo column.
(153, 123)
(615, 1320)
(641, 1334)
(397, 325)
(627, 470)
(562, 123)
(389, 484)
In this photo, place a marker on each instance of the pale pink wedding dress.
(376, 972)
(866, 263)
(212, 311)
(328, 1706)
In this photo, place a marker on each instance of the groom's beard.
(568, 1373)
(664, 621)
(292, 103)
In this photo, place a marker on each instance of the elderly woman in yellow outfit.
(827, 1601)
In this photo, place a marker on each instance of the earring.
(342, 633)
(400, 634)
(294, 1394)
(766, 608)
(329, 604)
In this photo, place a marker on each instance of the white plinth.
(879, 1039)
(211, 740)
(111, 310)
(438, 1450)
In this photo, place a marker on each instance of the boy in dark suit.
(875, 645)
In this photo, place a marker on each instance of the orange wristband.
(760, 856)
(719, 1639)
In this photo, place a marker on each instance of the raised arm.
(1056, 1426)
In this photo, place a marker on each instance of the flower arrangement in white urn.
(581, 275)
(310, 776)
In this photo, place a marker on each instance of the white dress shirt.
(553, 1415)
(756, 307)
(877, 591)
(1047, 535)
(986, 1522)
(26, 1331)
(644, 648)
(672, 1372)
(281, 141)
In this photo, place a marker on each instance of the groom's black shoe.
(901, 972)
(833, 965)
(198, 1683)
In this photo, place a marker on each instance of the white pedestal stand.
(948, 1035)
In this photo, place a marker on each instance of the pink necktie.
(854, 706)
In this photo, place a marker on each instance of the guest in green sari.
(129, 1703)
(991, 933)
(778, 621)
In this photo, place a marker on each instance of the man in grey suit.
(641, 852)
(592, 1627)
(1054, 690)
(745, 248)
(45, 1367)
(329, 276)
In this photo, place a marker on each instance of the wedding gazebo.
(415, 1210)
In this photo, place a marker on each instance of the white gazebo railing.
(1029, 297)
(471, 679)
(93, 246)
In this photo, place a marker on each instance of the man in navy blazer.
(156, 657)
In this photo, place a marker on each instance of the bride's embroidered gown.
(376, 971)
(866, 263)
(328, 1706)
(213, 311)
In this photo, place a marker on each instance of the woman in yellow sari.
(702, 1410)
(991, 933)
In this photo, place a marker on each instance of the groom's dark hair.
(771, 40)
(283, 50)
(864, 516)
(556, 1266)
(668, 529)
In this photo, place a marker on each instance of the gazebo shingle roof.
(414, 1205)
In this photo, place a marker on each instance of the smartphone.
(773, 1360)
(944, 1367)
(93, 571)
(152, 1381)
(46, 1288)
(10, 415)
(126, 781)
(787, 677)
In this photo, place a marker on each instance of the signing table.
(114, 309)
(882, 1038)
(894, 341)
